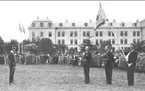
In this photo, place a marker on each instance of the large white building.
(73, 34)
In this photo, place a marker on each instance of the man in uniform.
(131, 62)
(12, 64)
(108, 64)
(86, 64)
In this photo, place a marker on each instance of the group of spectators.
(74, 59)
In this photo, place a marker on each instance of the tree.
(1, 45)
(26, 41)
(61, 47)
(87, 42)
(103, 45)
(45, 45)
(14, 43)
(139, 46)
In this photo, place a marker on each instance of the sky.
(24, 12)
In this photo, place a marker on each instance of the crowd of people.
(108, 61)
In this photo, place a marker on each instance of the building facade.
(73, 34)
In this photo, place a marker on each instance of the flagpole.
(116, 37)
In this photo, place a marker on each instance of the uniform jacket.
(88, 57)
(12, 62)
(110, 60)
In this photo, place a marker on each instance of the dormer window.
(122, 24)
(60, 24)
(33, 24)
(73, 24)
(134, 24)
(49, 24)
(41, 24)
(110, 24)
(85, 24)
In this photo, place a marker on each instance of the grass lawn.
(65, 78)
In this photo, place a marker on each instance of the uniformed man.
(109, 59)
(131, 62)
(86, 64)
(12, 64)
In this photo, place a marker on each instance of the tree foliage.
(45, 45)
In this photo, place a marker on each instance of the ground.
(65, 78)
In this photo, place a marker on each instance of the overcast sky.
(14, 12)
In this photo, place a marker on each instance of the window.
(109, 33)
(83, 40)
(121, 33)
(113, 49)
(88, 34)
(49, 24)
(96, 33)
(122, 24)
(76, 42)
(86, 24)
(121, 41)
(110, 24)
(101, 41)
(59, 42)
(49, 34)
(113, 34)
(125, 41)
(97, 42)
(134, 33)
(73, 24)
(63, 41)
(84, 33)
(113, 41)
(134, 24)
(63, 33)
(33, 34)
(60, 24)
(41, 24)
(71, 41)
(41, 34)
(58, 34)
(126, 33)
(138, 40)
(33, 24)
(101, 33)
(109, 40)
(71, 34)
(76, 34)
(134, 40)
(138, 33)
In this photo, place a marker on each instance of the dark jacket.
(88, 57)
(12, 62)
(110, 60)
(132, 57)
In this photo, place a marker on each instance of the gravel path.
(65, 78)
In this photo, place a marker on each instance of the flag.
(101, 18)
(20, 28)
(23, 29)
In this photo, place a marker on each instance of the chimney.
(137, 21)
(114, 21)
(90, 21)
(66, 21)
(47, 18)
(37, 18)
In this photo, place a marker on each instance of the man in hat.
(12, 64)
(131, 62)
(86, 64)
(109, 59)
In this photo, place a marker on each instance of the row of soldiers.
(108, 57)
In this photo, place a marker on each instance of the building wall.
(67, 28)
